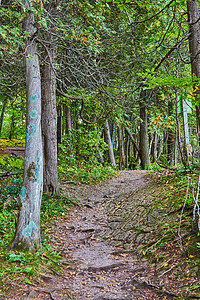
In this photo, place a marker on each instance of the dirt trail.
(94, 269)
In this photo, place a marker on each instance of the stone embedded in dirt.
(89, 229)
(46, 279)
(106, 267)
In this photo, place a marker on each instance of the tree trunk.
(67, 112)
(2, 114)
(188, 146)
(12, 125)
(121, 148)
(171, 138)
(144, 146)
(28, 225)
(178, 129)
(194, 46)
(132, 139)
(109, 143)
(155, 147)
(49, 120)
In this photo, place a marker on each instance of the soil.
(100, 243)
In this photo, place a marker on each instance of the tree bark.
(188, 146)
(178, 129)
(121, 148)
(67, 112)
(132, 139)
(155, 147)
(49, 119)
(2, 114)
(194, 46)
(144, 146)
(109, 143)
(28, 225)
(171, 138)
(12, 125)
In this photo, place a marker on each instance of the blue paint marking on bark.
(33, 114)
(26, 158)
(30, 131)
(33, 98)
(29, 229)
(22, 194)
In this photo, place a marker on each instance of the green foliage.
(11, 143)
(78, 157)
(10, 164)
(53, 208)
(22, 265)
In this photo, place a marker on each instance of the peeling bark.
(28, 225)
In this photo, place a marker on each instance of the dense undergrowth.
(21, 266)
(174, 248)
(79, 158)
(12, 143)
(163, 230)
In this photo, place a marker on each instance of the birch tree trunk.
(12, 126)
(49, 120)
(109, 143)
(188, 146)
(2, 114)
(28, 226)
(194, 46)
(144, 146)
(171, 138)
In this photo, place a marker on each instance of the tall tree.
(109, 143)
(28, 226)
(144, 143)
(49, 118)
(194, 46)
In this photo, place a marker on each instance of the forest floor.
(103, 243)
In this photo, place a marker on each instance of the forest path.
(100, 262)
(98, 270)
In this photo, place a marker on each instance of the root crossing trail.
(94, 266)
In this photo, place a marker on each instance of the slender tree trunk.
(178, 130)
(194, 46)
(155, 147)
(2, 113)
(171, 138)
(121, 148)
(127, 149)
(144, 146)
(67, 112)
(132, 139)
(188, 146)
(12, 126)
(49, 120)
(109, 143)
(28, 226)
